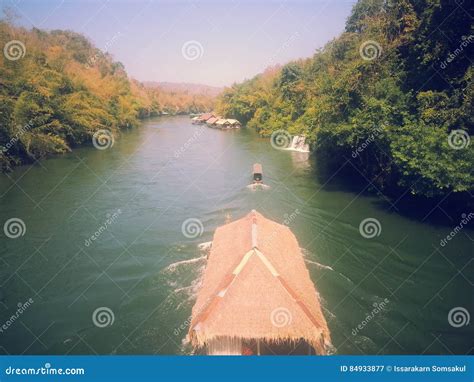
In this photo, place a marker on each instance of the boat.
(257, 173)
(256, 296)
(202, 118)
(226, 124)
(211, 122)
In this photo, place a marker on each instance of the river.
(140, 273)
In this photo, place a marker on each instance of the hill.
(58, 90)
(185, 87)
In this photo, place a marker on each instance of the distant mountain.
(183, 87)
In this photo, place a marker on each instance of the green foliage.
(64, 90)
(399, 107)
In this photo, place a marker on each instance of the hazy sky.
(208, 42)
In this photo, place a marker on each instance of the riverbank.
(134, 199)
(59, 92)
(380, 98)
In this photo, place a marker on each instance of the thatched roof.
(257, 168)
(233, 121)
(221, 122)
(204, 117)
(256, 286)
(212, 120)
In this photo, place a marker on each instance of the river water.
(139, 273)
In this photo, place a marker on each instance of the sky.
(207, 42)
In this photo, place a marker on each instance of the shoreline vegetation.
(57, 90)
(390, 100)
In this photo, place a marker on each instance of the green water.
(147, 272)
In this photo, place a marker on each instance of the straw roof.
(212, 120)
(256, 286)
(221, 122)
(206, 116)
(233, 121)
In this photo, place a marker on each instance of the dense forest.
(392, 97)
(57, 90)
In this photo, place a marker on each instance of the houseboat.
(203, 118)
(257, 297)
(228, 124)
(233, 123)
(212, 121)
